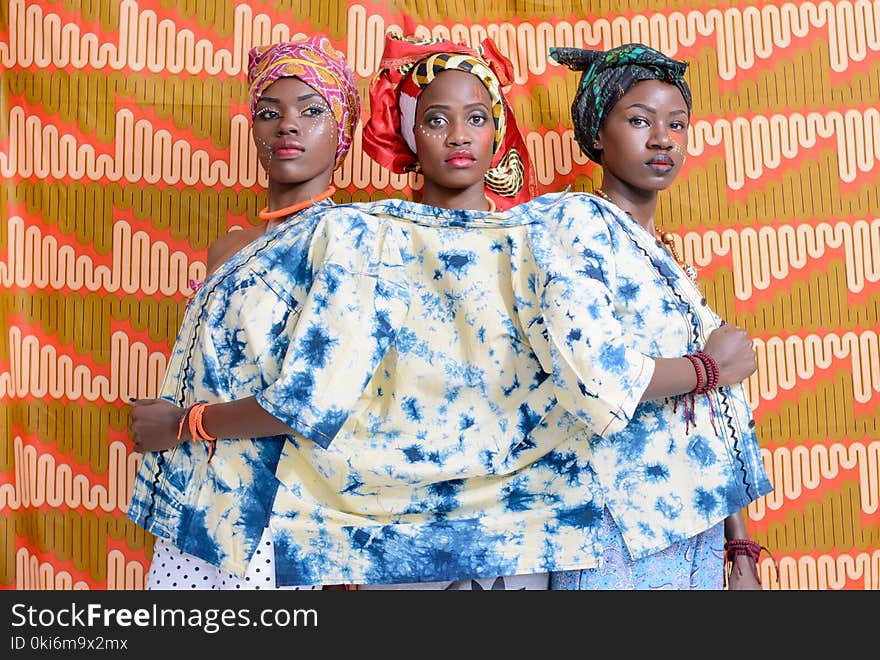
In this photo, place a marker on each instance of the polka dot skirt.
(173, 569)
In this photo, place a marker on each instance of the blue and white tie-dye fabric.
(241, 337)
(454, 379)
(471, 451)
(449, 465)
(391, 341)
(612, 294)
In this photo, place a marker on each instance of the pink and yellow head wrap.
(318, 64)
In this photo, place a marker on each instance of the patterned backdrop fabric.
(125, 150)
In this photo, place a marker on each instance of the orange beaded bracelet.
(193, 415)
(196, 426)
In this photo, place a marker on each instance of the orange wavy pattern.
(125, 147)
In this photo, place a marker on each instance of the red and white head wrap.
(408, 66)
(318, 64)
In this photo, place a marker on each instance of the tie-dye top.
(450, 376)
(664, 479)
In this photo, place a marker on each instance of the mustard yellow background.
(126, 150)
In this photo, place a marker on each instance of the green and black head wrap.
(608, 75)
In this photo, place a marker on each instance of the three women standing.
(459, 392)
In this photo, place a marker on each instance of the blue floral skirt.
(697, 563)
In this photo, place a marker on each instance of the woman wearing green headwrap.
(677, 476)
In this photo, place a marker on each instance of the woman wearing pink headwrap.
(304, 106)
(211, 523)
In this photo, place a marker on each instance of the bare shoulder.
(227, 245)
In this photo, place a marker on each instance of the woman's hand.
(154, 425)
(733, 351)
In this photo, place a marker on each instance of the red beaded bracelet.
(700, 361)
(737, 547)
(712, 371)
(744, 547)
(695, 361)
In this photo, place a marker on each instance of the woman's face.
(295, 133)
(644, 138)
(454, 133)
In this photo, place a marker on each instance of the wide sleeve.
(346, 323)
(597, 376)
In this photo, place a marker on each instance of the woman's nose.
(660, 137)
(288, 125)
(458, 134)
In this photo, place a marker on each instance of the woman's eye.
(314, 111)
(638, 122)
(434, 121)
(267, 113)
(479, 120)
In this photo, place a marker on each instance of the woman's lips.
(461, 159)
(288, 150)
(661, 163)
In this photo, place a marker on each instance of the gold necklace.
(667, 238)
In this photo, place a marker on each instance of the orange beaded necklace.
(668, 239)
(266, 214)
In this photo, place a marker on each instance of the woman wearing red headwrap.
(408, 133)
(438, 109)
